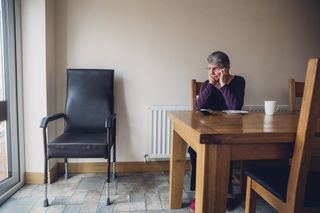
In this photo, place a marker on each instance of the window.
(10, 101)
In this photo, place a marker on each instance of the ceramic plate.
(235, 112)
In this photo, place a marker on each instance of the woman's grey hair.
(219, 57)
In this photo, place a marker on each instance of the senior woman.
(222, 91)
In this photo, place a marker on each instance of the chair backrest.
(89, 101)
(307, 142)
(295, 91)
(195, 86)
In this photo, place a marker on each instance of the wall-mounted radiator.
(161, 130)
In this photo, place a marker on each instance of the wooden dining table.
(218, 139)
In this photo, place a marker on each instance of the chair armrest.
(110, 121)
(46, 120)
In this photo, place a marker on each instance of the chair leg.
(45, 201)
(66, 174)
(114, 151)
(114, 162)
(108, 179)
(251, 197)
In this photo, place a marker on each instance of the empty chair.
(89, 121)
(295, 91)
(294, 188)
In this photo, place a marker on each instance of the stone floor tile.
(103, 208)
(20, 204)
(61, 200)
(55, 209)
(153, 201)
(89, 207)
(78, 196)
(73, 208)
(122, 198)
(138, 206)
(93, 196)
(38, 207)
(91, 183)
(137, 197)
(23, 192)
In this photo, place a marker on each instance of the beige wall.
(157, 47)
(38, 58)
(34, 80)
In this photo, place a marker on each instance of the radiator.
(161, 131)
(161, 128)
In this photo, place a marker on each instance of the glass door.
(9, 132)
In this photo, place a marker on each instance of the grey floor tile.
(102, 208)
(21, 204)
(55, 209)
(72, 208)
(61, 200)
(122, 198)
(93, 196)
(153, 201)
(91, 183)
(89, 207)
(138, 206)
(78, 196)
(137, 197)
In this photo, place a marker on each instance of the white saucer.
(235, 112)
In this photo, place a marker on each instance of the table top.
(254, 127)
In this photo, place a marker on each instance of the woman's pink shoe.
(192, 205)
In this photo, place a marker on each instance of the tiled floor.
(132, 192)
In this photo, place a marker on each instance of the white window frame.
(13, 64)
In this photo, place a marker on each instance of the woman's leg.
(230, 189)
(193, 158)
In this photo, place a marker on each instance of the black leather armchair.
(89, 122)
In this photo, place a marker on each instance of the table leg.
(177, 170)
(213, 166)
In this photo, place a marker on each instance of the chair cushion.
(275, 179)
(78, 145)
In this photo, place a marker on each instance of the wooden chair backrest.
(195, 86)
(307, 142)
(295, 91)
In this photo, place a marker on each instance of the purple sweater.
(228, 97)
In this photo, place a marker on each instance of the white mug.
(270, 107)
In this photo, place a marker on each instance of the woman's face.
(214, 70)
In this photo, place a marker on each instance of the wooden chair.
(296, 188)
(195, 86)
(295, 91)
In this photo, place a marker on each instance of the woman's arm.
(204, 95)
(234, 94)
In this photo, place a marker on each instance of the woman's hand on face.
(224, 77)
(212, 79)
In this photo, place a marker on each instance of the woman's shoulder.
(239, 78)
(205, 83)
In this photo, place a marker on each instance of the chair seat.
(275, 179)
(78, 145)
